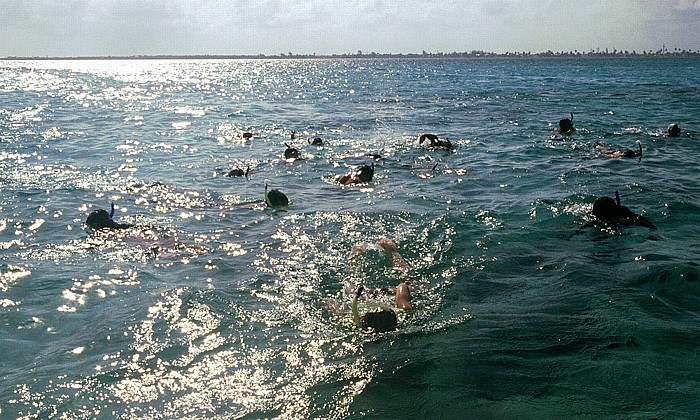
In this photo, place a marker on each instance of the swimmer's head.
(673, 130)
(381, 320)
(290, 152)
(275, 198)
(247, 135)
(365, 173)
(318, 141)
(238, 172)
(100, 219)
(566, 125)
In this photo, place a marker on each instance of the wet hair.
(275, 198)
(674, 130)
(290, 152)
(430, 137)
(100, 219)
(566, 125)
(365, 173)
(381, 320)
(247, 135)
(238, 172)
(318, 141)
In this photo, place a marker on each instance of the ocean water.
(214, 307)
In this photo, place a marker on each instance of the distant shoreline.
(359, 55)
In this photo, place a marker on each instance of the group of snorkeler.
(567, 128)
(382, 317)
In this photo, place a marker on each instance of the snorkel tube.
(355, 311)
(267, 199)
(617, 197)
(111, 213)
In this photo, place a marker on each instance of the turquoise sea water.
(525, 307)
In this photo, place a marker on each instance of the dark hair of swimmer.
(610, 210)
(673, 130)
(379, 320)
(432, 138)
(100, 219)
(238, 172)
(275, 198)
(566, 125)
(290, 152)
(317, 141)
(365, 173)
(247, 135)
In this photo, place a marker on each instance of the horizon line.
(359, 54)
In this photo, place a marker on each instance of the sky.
(75, 28)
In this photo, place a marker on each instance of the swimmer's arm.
(390, 246)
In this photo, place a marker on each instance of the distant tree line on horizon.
(662, 52)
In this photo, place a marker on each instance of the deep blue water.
(525, 306)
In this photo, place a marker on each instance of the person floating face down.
(611, 211)
(381, 318)
(100, 219)
(620, 153)
(361, 176)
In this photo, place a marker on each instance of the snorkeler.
(611, 211)
(619, 153)
(316, 141)
(100, 219)
(291, 154)
(238, 172)
(378, 317)
(566, 125)
(275, 198)
(433, 142)
(361, 176)
(673, 131)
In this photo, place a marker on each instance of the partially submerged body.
(610, 210)
(370, 309)
(611, 153)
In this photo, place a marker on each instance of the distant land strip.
(359, 54)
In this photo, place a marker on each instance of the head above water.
(365, 173)
(673, 130)
(275, 198)
(100, 219)
(610, 210)
(317, 141)
(290, 152)
(566, 125)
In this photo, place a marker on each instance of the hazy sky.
(271, 27)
